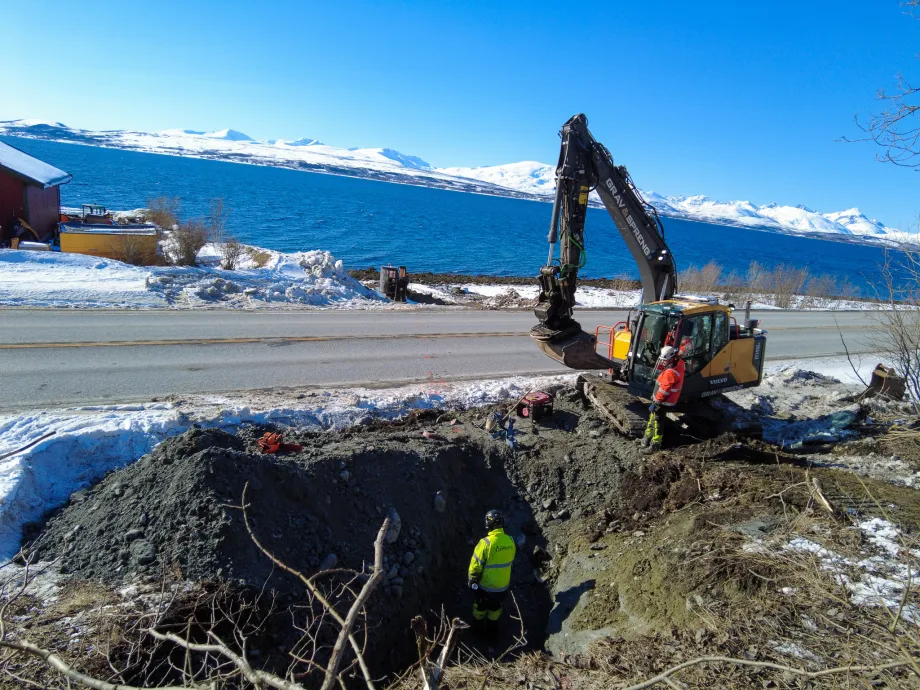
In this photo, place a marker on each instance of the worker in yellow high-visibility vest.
(490, 573)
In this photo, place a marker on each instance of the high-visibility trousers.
(653, 429)
(487, 605)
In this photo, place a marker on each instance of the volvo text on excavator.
(719, 354)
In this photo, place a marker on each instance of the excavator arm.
(584, 166)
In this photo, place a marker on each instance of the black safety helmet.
(494, 519)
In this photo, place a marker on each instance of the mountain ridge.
(525, 179)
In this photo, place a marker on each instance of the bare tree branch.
(664, 676)
(356, 608)
(66, 670)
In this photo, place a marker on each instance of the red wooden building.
(29, 190)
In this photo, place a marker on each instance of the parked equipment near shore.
(394, 282)
(719, 354)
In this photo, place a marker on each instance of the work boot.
(644, 442)
(651, 449)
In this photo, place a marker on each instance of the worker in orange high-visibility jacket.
(667, 392)
(490, 574)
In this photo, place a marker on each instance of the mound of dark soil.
(175, 513)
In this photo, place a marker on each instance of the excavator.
(719, 354)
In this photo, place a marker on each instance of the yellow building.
(119, 242)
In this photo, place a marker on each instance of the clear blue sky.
(735, 100)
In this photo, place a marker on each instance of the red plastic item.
(274, 443)
(535, 404)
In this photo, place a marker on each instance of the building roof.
(90, 229)
(29, 169)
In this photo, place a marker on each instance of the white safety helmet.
(667, 353)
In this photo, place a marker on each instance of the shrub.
(898, 335)
(259, 257)
(188, 239)
(231, 251)
(702, 280)
(217, 219)
(164, 211)
(135, 250)
(786, 282)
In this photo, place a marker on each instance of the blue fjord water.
(368, 223)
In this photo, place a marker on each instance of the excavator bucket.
(574, 349)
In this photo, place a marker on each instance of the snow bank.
(312, 278)
(90, 441)
(56, 279)
(86, 444)
(585, 296)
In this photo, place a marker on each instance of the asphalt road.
(55, 357)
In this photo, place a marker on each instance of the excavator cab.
(718, 354)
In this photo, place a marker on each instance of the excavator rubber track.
(615, 404)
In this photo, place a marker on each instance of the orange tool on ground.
(274, 443)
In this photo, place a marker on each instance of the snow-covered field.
(55, 279)
(528, 179)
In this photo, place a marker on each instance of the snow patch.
(83, 448)
(880, 576)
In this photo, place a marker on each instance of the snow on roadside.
(304, 279)
(86, 444)
(498, 295)
(313, 278)
(90, 441)
(56, 279)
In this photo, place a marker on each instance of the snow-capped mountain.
(231, 145)
(527, 179)
(526, 176)
(857, 222)
(539, 178)
(228, 134)
(303, 141)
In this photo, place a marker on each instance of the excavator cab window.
(695, 340)
(720, 333)
(652, 337)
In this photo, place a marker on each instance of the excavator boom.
(584, 166)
